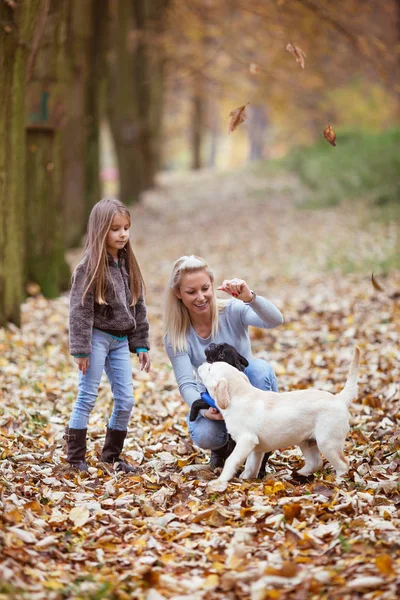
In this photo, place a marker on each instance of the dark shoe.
(112, 449)
(76, 448)
(261, 472)
(219, 456)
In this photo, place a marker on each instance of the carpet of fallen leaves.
(162, 534)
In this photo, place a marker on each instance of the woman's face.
(196, 293)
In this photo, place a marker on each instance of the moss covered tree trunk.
(46, 114)
(136, 92)
(84, 70)
(21, 27)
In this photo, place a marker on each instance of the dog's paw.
(217, 486)
(196, 468)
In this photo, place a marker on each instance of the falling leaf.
(330, 135)
(79, 515)
(377, 286)
(238, 116)
(32, 288)
(254, 69)
(298, 53)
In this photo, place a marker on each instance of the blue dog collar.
(207, 398)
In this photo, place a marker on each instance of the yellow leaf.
(79, 515)
(211, 581)
(384, 563)
(53, 585)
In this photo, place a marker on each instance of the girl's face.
(196, 293)
(118, 234)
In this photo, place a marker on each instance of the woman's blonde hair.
(95, 255)
(176, 319)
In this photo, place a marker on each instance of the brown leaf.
(291, 511)
(32, 288)
(298, 53)
(377, 286)
(238, 116)
(330, 135)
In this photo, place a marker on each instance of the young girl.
(194, 318)
(108, 318)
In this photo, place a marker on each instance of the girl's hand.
(83, 363)
(237, 288)
(144, 360)
(213, 414)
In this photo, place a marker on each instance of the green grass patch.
(361, 166)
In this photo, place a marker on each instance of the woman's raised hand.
(237, 288)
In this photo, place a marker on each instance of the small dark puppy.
(226, 353)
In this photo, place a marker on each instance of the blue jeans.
(212, 435)
(113, 356)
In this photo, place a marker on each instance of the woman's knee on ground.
(261, 375)
(208, 434)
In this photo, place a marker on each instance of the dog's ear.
(221, 394)
(239, 362)
(243, 362)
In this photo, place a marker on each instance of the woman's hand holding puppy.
(213, 414)
(237, 288)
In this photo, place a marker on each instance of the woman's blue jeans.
(212, 435)
(112, 356)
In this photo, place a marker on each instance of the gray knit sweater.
(116, 315)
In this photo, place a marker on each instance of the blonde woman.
(107, 320)
(194, 318)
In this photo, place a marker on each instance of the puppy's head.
(226, 353)
(220, 378)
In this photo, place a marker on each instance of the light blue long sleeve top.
(234, 322)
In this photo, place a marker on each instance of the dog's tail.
(349, 392)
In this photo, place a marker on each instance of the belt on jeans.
(117, 332)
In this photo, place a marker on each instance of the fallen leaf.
(79, 515)
(377, 286)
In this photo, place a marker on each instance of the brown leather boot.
(76, 447)
(112, 449)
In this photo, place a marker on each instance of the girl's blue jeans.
(113, 357)
(212, 435)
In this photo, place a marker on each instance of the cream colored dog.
(261, 421)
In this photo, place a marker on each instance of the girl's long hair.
(95, 255)
(176, 318)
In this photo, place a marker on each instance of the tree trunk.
(46, 112)
(136, 93)
(197, 124)
(20, 28)
(45, 260)
(96, 100)
(257, 130)
(84, 72)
